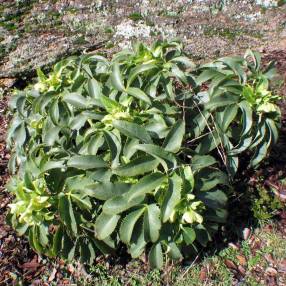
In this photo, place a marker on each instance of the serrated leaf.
(94, 89)
(156, 256)
(105, 224)
(189, 235)
(57, 240)
(76, 100)
(110, 105)
(175, 136)
(127, 225)
(166, 158)
(221, 100)
(67, 213)
(185, 61)
(228, 116)
(139, 69)
(138, 242)
(114, 144)
(95, 143)
(120, 204)
(145, 185)
(139, 94)
(213, 199)
(152, 223)
(116, 78)
(172, 197)
(138, 166)
(202, 161)
(85, 162)
(132, 130)
(107, 190)
(207, 179)
(173, 251)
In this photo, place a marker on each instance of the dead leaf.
(282, 266)
(32, 265)
(230, 264)
(268, 257)
(241, 259)
(241, 270)
(271, 271)
(203, 274)
(53, 275)
(70, 268)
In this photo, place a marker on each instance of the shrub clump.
(137, 151)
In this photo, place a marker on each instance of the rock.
(246, 233)
(271, 271)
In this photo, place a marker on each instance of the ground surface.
(36, 33)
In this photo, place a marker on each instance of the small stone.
(246, 233)
(271, 271)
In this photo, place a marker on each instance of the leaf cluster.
(139, 150)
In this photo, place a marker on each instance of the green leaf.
(207, 75)
(156, 256)
(138, 242)
(105, 224)
(85, 162)
(51, 136)
(152, 223)
(127, 225)
(120, 204)
(67, 213)
(110, 105)
(116, 78)
(221, 100)
(132, 130)
(247, 117)
(161, 154)
(138, 166)
(207, 179)
(68, 248)
(95, 143)
(173, 251)
(43, 235)
(139, 94)
(189, 235)
(175, 136)
(107, 190)
(185, 61)
(94, 89)
(145, 185)
(202, 235)
(139, 69)
(54, 112)
(202, 161)
(172, 196)
(114, 144)
(213, 199)
(57, 240)
(76, 100)
(50, 165)
(229, 115)
(20, 134)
